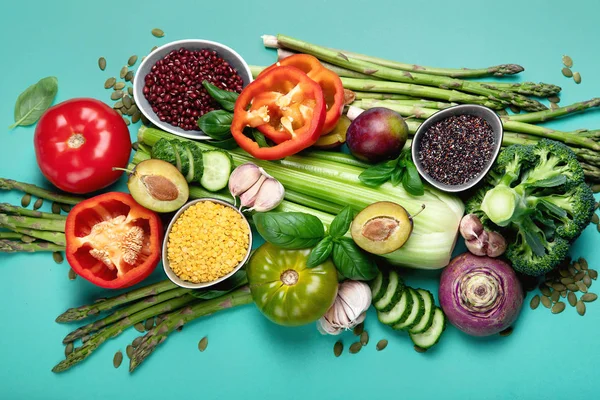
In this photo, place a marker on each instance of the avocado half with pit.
(158, 186)
(382, 227)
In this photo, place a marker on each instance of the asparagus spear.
(159, 333)
(83, 352)
(42, 224)
(412, 77)
(383, 96)
(82, 312)
(498, 70)
(527, 88)
(11, 246)
(547, 115)
(49, 236)
(10, 209)
(17, 236)
(9, 184)
(124, 312)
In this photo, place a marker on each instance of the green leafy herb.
(227, 144)
(320, 253)
(379, 174)
(216, 124)
(224, 97)
(351, 262)
(401, 170)
(34, 101)
(341, 223)
(411, 181)
(289, 230)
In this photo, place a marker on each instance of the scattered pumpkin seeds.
(358, 329)
(577, 266)
(119, 85)
(203, 343)
(593, 274)
(563, 294)
(355, 347)
(506, 332)
(582, 286)
(102, 63)
(129, 351)
(554, 99)
(129, 76)
(546, 301)
(58, 257)
(572, 298)
(55, 208)
(564, 273)
(136, 342)
(535, 302)
(130, 90)
(558, 307)
(127, 101)
(136, 117)
(545, 291)
(110, 82)
(587, 281)
(567, 72)
(118, 104)
(382, 344)
(364, 338)
(38, 204)
(589, 297)
(558, 286)
(567, 61)
(118, 359)
(514, 109)
(555, 296)
(567, 280)
(69, 348)
(149, 324)
(127, 122)
(65, 207)
(123, 71)
(580, 307)
(419, 349)
(338, 348)
(72, 274)
(579, 276)
(139, 327)
(583, 263)
(577, 77)
(26, 200)
(154, 48)
(158, 32)
(572, 287)
(595, 219)
(553, 106)
(132, 60)
(116, 95)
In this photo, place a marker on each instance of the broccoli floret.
(537, 198)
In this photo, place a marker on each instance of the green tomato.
(285, 290)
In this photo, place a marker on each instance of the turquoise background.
(548, 356)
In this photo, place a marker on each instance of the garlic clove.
(243, 178)
(478, 245)
(249, 196)
(496, 244)
(269, 196)
(470, 227)
(348, 310)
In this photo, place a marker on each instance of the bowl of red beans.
(168, 86)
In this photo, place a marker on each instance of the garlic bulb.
(269, 196)
(348, 310)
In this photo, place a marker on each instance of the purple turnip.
(481, 296)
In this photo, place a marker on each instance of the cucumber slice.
(428, 307)
(217, 168)
(392, 293)
(400, 310)
(432, 335)
(414, 314)
(379, 285)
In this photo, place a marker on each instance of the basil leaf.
(233, 282)
(227, 144)
(216, 124)
(411, 181)
(351, 262)
(396, 177)
(379, 174)
(34, 101)
(259, 138)
(289, 230)
(224, 97)
(320, 253)
(341, 223)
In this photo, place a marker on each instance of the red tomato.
(78, 142)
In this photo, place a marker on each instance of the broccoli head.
(537, 198)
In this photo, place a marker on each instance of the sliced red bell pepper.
(112, 241)
(330, 83)
(286, 106)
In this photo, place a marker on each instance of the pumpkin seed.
(598, 227)
(577, 266)
(355, 347)
(564, 272)
(135, 117)
(338, 348)
(136, 342)
(158, 32)
(129, 76)
(514, 109)
(593, 274)
(129, 351)
(419, 349)
(364, 338)
(110, 82)
(577, 77)
(595, 219)
(554, 99)
(116, 95)
(72, 274)
(545, 291)
(579, 276)
(358, 329)
(558, 307)
(583, 262)
(596, 205)
(38, 204)
(546, 301)
(123, 71)
(102, 63)
(587, 281)
(567, 72)
(589, 297)
(130, 90)
(149, 324)
(69, 349)
(127, 101)
(118, 104)
(553, 106)
(154, 48)
(139, 327)
(572, 298)
(58, 257)
(203, 343)
(572, 287)
(582, 286)
(26, 200)
(145, 120)
(558, 286)
(55, 208)
(382, 344)
(580, 307)
(131, 110)
(566, 281)
(65, 207)
(567, 61)
(535, 302)
(563, 294)
(118, 359)
(119, 85)
(572, 270)
(132, 60)
(127, 122)
(506, 332)
(555, 295)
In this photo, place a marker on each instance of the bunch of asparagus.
(417, 92)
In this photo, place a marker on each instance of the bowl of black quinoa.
(455, 148)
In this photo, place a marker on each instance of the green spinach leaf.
(351, 262)
(224, 97)
(216, 124)
(289, 230)
(34, 101)
(341, 223)
(411, 181)
(320, 253)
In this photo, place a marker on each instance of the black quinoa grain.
(457, 149)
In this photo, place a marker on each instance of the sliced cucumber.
(400, 310)
(217, 168)
(432, 335)
(427, 318)
(414, 314)
(379, 285)
(392, 293)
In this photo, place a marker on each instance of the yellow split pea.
(207, 241)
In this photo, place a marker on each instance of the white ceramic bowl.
(234, 59)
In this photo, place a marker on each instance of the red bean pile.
(174, 88)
